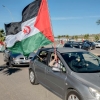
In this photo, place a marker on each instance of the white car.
(97, 43)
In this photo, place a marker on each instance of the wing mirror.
(56, 69)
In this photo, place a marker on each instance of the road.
(15, 85)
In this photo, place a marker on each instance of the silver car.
(16, 59)
(77, 78)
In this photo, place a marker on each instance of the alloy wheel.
(73, 97)
(32, 77)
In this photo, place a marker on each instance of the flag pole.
(51, 28)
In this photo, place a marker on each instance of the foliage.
(76, 37)
(73, 37)
(59, 36)
(98, 22)
(86, 36)
(96, 38)
(67, 37)
(2, 35)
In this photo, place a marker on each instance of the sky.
(68, 17)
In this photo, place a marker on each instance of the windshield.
(82, 62)
(15, 54)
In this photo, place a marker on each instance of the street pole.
(9, 12)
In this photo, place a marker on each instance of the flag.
(12, 28)
(35, 29)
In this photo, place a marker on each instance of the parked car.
(16, 59)
(97, 43)
(85, 46)
(92, 44)
(73, 44)
(77, 78)
(2, 48)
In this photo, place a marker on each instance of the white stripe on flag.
(12, 39)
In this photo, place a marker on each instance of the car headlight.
(95, 93)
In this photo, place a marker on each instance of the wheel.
(9, 64)
(32, 77)
(73, 95)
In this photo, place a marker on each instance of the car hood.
(89, 79)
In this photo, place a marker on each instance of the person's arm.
(52, 63)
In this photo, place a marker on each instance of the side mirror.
(56, 69)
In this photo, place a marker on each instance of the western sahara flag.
(36, 29)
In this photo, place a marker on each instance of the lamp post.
(8, 11)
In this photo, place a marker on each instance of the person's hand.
(55, 57)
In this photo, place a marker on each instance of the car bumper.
(97, 45)
(20, 63)
(88, 99)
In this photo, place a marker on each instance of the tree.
(67, 37)
(98, 22)
(96, 38)
(59, 37)
(86, 36)
(73, 37)
(2, 35)
(76, 37)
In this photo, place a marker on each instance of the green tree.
(86, 36)
(73, 37)
(76, 37)
(67, 37)
(59, 37)
(2, 35)
(96, 38)
(98, 22)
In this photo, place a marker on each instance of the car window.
(91, 59)
(58, 64)
(82, 62)
(42, 57)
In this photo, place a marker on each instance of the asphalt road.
(15, 85)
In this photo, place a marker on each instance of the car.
(92, 45)
(97, 43)
(2, 48)
(85, 46)
(77, 78)
(16, 59)
(73, 44)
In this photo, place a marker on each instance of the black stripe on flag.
(12, 28)
(31, 10)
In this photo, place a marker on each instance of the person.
(55, 62)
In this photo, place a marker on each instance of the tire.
(32, 77)
(9, 64)
(73, 95)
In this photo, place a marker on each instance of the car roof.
(64, 49)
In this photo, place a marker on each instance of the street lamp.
(8, 11)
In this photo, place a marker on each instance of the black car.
(92, 44)
(73, 44)
(85, 46)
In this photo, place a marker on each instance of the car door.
(40, 64)
(56, 80)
